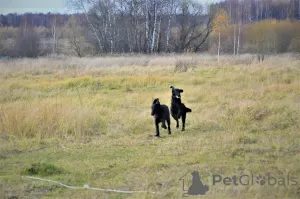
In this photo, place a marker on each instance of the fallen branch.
(88, 187)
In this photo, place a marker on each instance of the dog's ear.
(156, 100)
(171, 87)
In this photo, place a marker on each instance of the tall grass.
(95, 113)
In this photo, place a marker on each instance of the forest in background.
(155, 26)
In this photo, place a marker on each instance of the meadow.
(87, 121)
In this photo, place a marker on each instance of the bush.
(42, 169)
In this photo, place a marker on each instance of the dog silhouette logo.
(197, 187)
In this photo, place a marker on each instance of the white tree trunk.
(25, 28)
(257, 9)
(158, 34)
(219, 45)
(234, 40)
(238, 40)
(113, 34)
(169, 26)
(154, 28)
(261, 10)
(110, 32)
(147, 29)
(54, 35)
(129, 40)
(230, 11)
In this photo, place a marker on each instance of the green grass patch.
(42, 169)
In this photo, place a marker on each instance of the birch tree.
(239, 30)
(53, 31)
(75, 36)
(158, 35)
(154, 26)
(147, 42)
(220, 21)
(238, 39)
(169, 24)
(81, 5)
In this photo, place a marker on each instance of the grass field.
(87, 121)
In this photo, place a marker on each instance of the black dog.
(161, 114)
(178, 109)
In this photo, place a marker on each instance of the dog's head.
(176, 93)
(155, 107)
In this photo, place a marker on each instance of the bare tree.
(158, 35)
(239, 18)
(81, 5)
(53, 31)
(220, 21)
(238, 39)
(193, 31)
(169, 24)
(139, 25)
(146, 12)
(75, 36)
(234, 39)
(154, 26)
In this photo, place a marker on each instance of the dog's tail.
(183, 107)
(188, 110)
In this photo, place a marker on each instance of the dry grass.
(91, 118)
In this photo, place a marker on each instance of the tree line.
(154, 26)
(35, 19)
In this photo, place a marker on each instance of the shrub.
(42, 169)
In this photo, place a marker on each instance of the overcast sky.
(35, 6)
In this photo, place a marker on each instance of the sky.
(44, 6)
(22, 6)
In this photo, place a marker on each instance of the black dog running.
(178, 109)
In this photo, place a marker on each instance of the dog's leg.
(169, 126)
(179, 113)
(183, 121)
(163, 124)
(174, 116)
(177, 124)
(157, 127)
